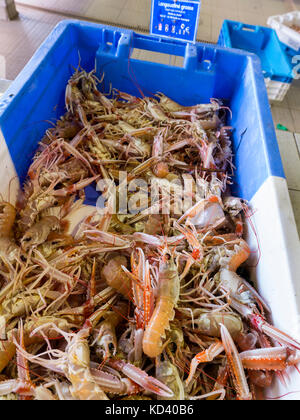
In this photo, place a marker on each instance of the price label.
(177, 19)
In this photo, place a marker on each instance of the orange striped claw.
(141, 378)
(240, 257)
(75, 187)
(191, 237)
(22, 385)
(235, 364)
(204, 357)
(281, 337)
(274, 358)
(26, 386)
(148, 306)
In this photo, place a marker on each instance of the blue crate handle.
(253, 28)
(121, 44)
(234, 76)
(158, 44)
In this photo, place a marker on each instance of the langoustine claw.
(235, 364)
(274, 358)
(203, 357)
(171, 264)
(141, 378)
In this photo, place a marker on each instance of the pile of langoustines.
(138, 298)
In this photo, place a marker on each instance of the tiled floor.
(20, 38)
(137, 12)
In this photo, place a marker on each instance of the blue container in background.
(264, 43)
(38, 93)
(289, 51)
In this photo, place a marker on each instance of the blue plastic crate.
(37, 95)
(264, 43)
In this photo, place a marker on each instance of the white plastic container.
(282, 25)
(276, 90)
(4, 85)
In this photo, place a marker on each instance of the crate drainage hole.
(157, 57)
(249, 29)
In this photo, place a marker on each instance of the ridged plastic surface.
(277, 90)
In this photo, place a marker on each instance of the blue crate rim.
(19, 84)
(268, 136)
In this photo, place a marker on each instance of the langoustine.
(129, 303)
